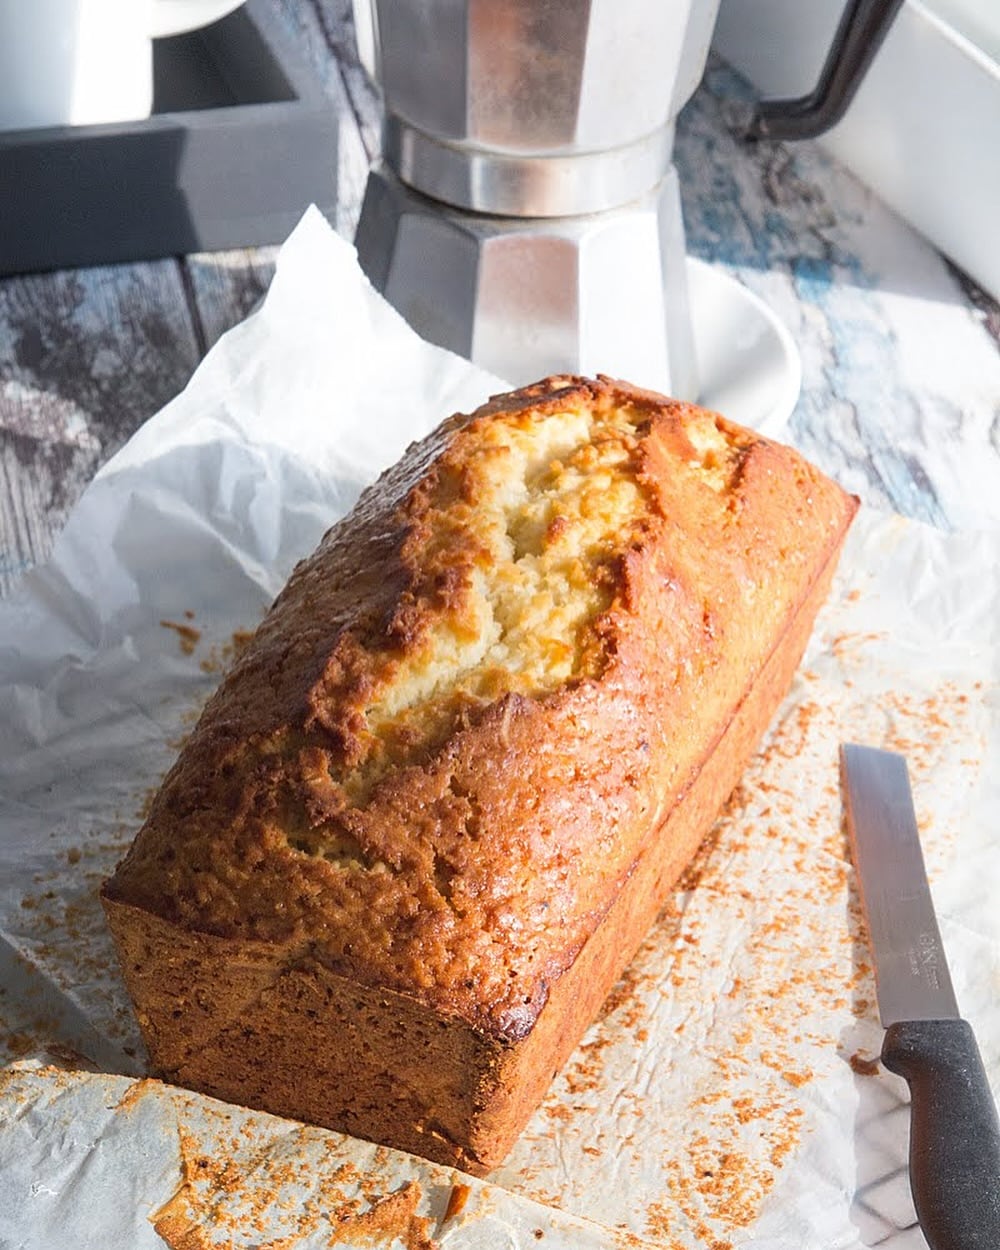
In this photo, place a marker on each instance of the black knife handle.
(954, 1132)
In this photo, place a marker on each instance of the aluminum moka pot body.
(531, 140)
(527, 213)
(535, 108)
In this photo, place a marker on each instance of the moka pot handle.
(863, 26)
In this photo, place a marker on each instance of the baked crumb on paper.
(217, 1177)
(715, 1103)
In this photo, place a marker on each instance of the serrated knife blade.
(911, 973)
(954, 1130)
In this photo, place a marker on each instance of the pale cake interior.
(527, 518)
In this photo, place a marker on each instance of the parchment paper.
(727, 1096)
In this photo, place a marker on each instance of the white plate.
(748, 363)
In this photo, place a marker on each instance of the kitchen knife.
(954, 1131)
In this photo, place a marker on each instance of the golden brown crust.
(466, 722)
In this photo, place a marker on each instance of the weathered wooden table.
(901, 369)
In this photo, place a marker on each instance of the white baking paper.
(725, 1098)
(107, 1161)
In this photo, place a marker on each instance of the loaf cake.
(426, 819)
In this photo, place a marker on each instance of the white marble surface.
(901, 368)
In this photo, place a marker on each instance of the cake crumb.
(457, 1199)
(135, 1092)
(393, 1216)
(241, 639)
(863, 1065)
(188, 636)
(220, 658)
